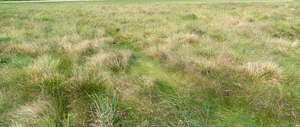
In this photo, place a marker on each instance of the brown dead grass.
(72, 46)
(115, 61)
(32, 49)
(261, 69)
(32, 113)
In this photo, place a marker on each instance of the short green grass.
(150, 63)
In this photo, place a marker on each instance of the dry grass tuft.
(42, 69)
(114, 61)
(25, 48)
(262, 69)
(162, 52)
(30, 114)
(236, 22)
(283, 44)
(118, 61)
(205, 63)
(66, 44)
(85, 46)
(191, 38)
(295, 44)
(224, 59)
(80, 48)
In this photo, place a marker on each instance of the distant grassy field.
(181, 64)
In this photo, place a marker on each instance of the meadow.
(137, 63)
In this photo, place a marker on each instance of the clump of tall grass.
(114, 61)
(43, 68)
(262, 69)
(103, 110)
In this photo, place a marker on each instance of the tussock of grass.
(191, 38)
(114, 61)
(104, 110)
(262, 69)
(84, 47)
(25, 49)
(39, 112)
(44, 68)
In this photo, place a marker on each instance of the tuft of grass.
(42, 69)
(39, 112)
(103, 110)
(114, 61)
(79, 48)
(191, 38)
(24, 49)
(262, 70)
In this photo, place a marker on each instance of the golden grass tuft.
(86, 45)
(43, 68)
(262, 69)
(236, 22)
(283, 44)
(32, 113)
(224, 59)
(71, 47)
(295, 44)
(205, 63)
(25, 48)
(114, 61)
(191, 38)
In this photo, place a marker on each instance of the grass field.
(150, 63)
